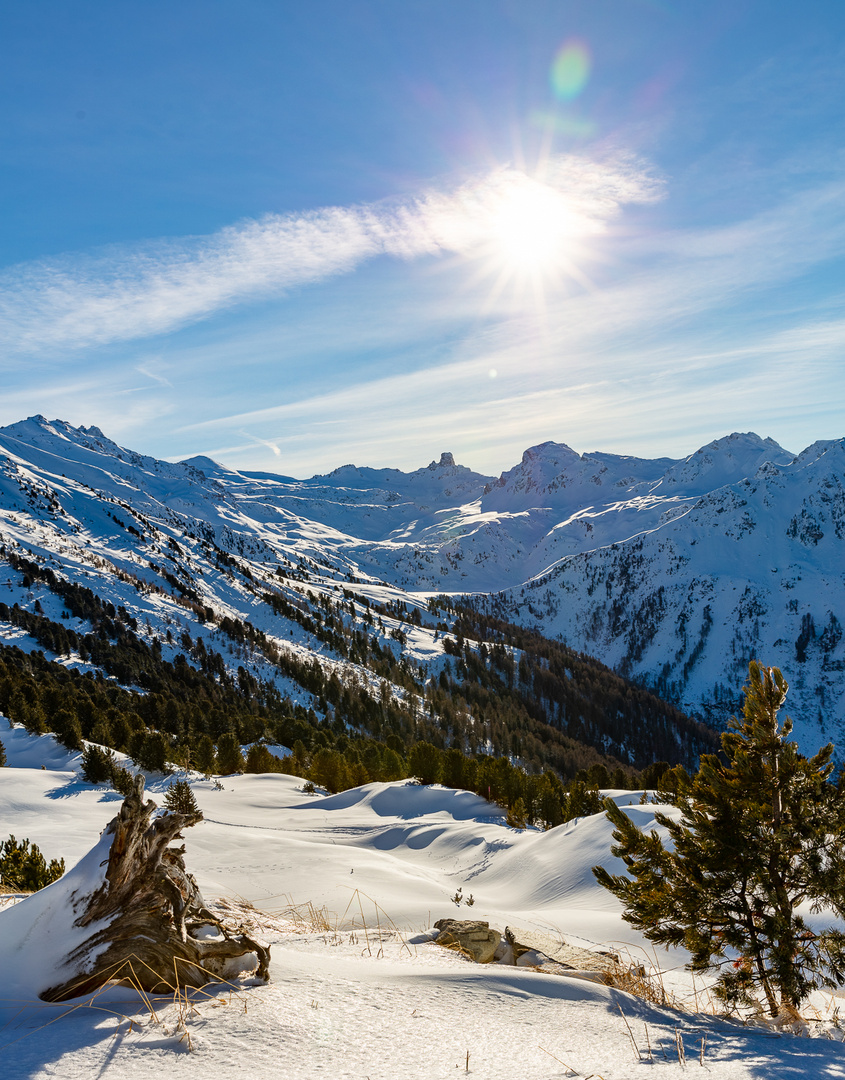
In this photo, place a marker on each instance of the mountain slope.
(676, 573)
(749, 570)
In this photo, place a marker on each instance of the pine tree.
(329, 770)
(96, 764)
(582, 800)
(260, 760)
(2, 755)
(122, 780)
(152, 752)
(425, 762)
(392, 766)
(757, 835)
(550, 798)
(180, 798)
(67, 729)
(24, 868)
(204, 757)
(229, 757)
(517, 816)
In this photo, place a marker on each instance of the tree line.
(549, 715)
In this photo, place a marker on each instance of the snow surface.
(344, 1000)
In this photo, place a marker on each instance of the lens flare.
(531, 234)
(561, 123)
(570, 70)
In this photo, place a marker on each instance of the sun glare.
(531, 238)
(531, 227)
(527, 236)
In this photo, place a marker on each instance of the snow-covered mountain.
(712, 577)
(675, 572)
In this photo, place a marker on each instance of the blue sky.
(291, 236)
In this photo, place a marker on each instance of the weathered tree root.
(153, 911)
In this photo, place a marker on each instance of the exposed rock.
(529, 948)
(471, 936)
(532, 948)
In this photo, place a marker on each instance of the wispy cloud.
(701, 339)
(99, 397)
(255, 441)
(154, 375)
(653, 400)
(125, 294)
(692, 332)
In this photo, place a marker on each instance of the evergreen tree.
(517, 817)
(2, 755)
(425, 762)
(358, 774)
(652, 773)
(550, 799)
(329, 770)
(33, 718)
(582, 801)
(229, 757)
(122, 780)
(204, 757)
(152, 752)
(260, 760)
(96, 764)
(296, 764)
(102, 733)
(180, 798)
(453, 768)
(24, 868)
(67, 729)
(758, 834)
(392, 767)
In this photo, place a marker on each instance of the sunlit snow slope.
(349, 1002)
(677, 573)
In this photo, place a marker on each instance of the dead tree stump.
(150, 926)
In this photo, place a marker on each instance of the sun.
(530, 237)
(522, 239)
(531, 228)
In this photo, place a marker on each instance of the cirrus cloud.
(132, 293)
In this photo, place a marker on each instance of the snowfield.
(346, 889)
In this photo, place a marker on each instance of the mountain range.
(673, 572)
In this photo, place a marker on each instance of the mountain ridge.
(676, 572)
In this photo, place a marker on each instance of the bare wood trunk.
(148, 913)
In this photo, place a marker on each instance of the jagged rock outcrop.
(531, 948)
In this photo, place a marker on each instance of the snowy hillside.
(750, 569)
(367, 994)
(676, 573)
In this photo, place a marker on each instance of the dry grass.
(308, 919)
(385, 928)
(363, 920)
(184, 1002)
(644, 980)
